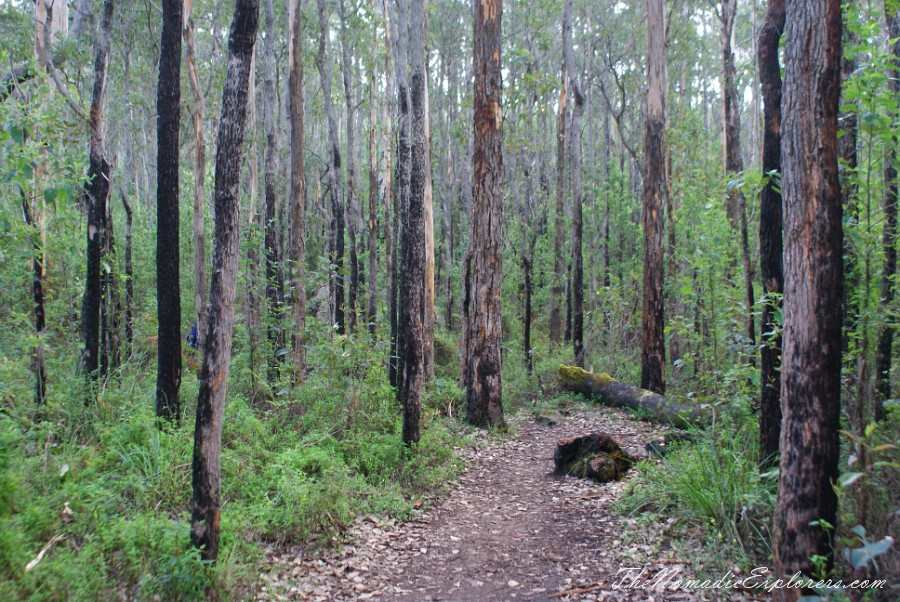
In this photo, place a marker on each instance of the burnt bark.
(129, 275)
(577, 285)
(274, 286)
(96, 201)
(813, 283)
(883, 348)
(484, 259)
(298, 189)
(770, 235)
(335, 189)
(653, 350)
(411, 377)
(168, 289)
(372, 246)
(38, 364)
(206, 473)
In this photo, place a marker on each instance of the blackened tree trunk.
(96, 200)
(770, 235)
(403, 178)
(168, 291)
(274, 290)
(198, 230)
(335, 190)
(483, 264)
(129, 275)
(353, 289)
(206, 474)
(412, 288)
(813, 283)
(298, 189)
(883, 355)
(577, 286)
(38, 364)
(653, 351)
(428, 203)
(736, 206)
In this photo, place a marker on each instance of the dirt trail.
(509, 531)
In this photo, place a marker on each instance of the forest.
(275, 271)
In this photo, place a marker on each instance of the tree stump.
(595, 456)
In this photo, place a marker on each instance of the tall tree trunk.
(274, 292)
(96, 200)
(604, 226)
(811, 362)
(353, 289)
(653, 352)
(168, 291)
(847, 151)
(298, 188)
(577, 287)
(387, 169)
(403, 177)
(557, 288)
(770, 235)
(883, 350)
(37, 296)
(372, 309)
(206, 473)
(253, 310)
(428, 199)
(335, 190)
(734, 164)
(483, 266)
(129, 275)
(198, 231)
(412, 287)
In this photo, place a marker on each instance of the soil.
(509, 530)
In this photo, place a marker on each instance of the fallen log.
(611, 392)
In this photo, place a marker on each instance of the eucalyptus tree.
(298, 185)
(335, 186)
(884, 347)
(770, 233)
(577, 285)
(653, 350)
(168, 291)
(206, 477)
(483, 264)
(806, 508)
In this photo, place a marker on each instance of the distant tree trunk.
(577, 289)
(336, 230)
(387, 170)
(274, 290)
(198, 229)
(847, 151)
(412, 288)
(883, 350)
(168, 292)
(372, 309)
(813, 283)
(252, 299)
(96, 200)
(428, 315)
(403, 177)
(734, 164)
(557, 288)
(37, 296)
(770, 235)
(483, 265)
(604, 226)
(206, 473)
(298, 188)
(653, 352)
(129, 275)
(353, 289)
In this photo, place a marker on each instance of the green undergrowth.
(109, 493)
(712, 487)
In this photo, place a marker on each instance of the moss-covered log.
(609, 391)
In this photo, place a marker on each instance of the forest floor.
(508, 530)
